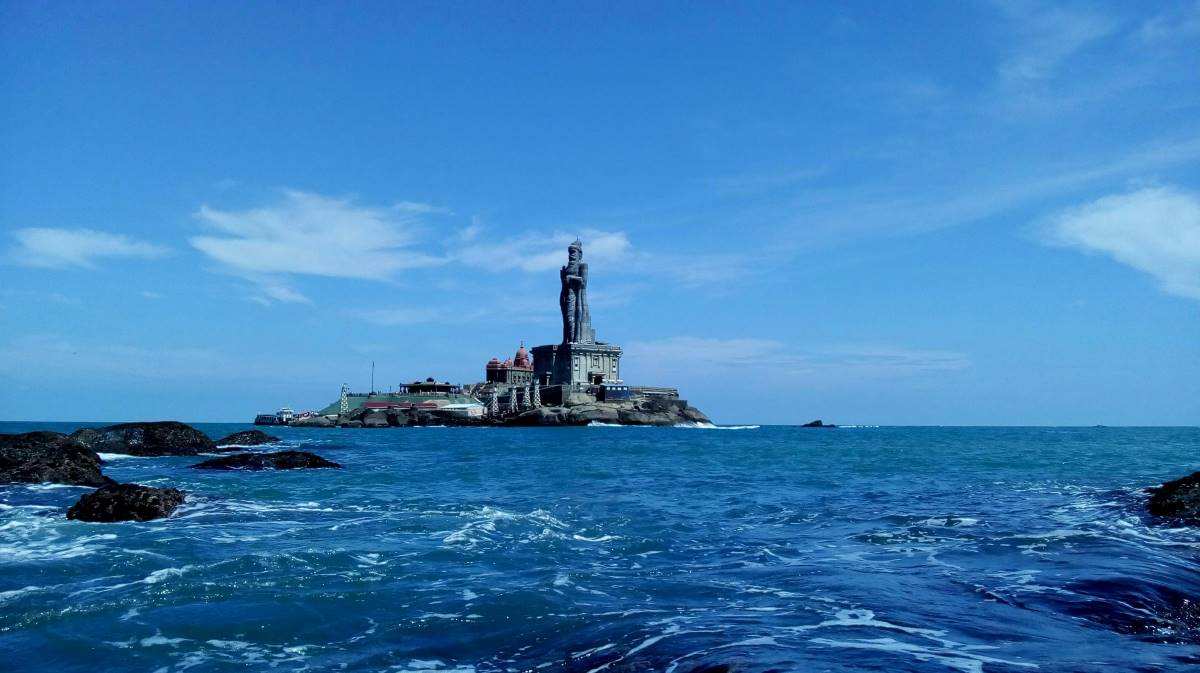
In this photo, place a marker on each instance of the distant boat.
(282, 417)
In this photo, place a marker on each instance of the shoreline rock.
(818, 424)
(246, 438)
(1179, 498)
(279, 460)
(36, 457)
(160, 438)
(126, 502)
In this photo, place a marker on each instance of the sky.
(954, 213)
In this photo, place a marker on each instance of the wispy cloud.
(1174, 23)
(314, 235)
(761, 359)
(534, 253)
(82, 248)
(1049, 34)
(852, 215)
(1155, 230)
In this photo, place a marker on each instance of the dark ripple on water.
(677, 550)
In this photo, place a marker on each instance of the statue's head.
(575, 251)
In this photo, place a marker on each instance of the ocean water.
(623, 549)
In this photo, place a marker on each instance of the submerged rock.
(1179, 498)
(36, 457)
(126, 502)
(246, 438)
(818, 424)
(162, 438)
(280, 460)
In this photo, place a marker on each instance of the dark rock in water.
(1179, 498)
(126, 502)
(246, 438)
(36, 457)
(280, 460)
(351, 424)
(818, 424)
(163, 438)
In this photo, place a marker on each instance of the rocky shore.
(54, 457)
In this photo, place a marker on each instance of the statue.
(577, 321)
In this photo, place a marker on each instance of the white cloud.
(315, 235)
(1155, 230)
(61, 248)
(148, 294)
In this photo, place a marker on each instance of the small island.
(574, 382)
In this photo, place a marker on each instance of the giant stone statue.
(577, 321)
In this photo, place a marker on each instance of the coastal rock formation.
(653, 411)
(313, 422)
(818, 424)
(594, 413)
(36, 457)
(162, 438)
(126, 502)
(1179, 498)
(280, 460)
(542, 416)
(246, 438)
(375, 419)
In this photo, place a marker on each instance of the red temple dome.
(522, 357)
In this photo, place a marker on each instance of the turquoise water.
(623, 549)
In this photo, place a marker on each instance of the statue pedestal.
(576, 364)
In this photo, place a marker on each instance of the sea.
(618, 549)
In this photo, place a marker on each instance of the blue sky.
(947, 213)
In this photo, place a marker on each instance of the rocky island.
(574, 382)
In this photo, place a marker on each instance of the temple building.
(517, 370)
(580, 360)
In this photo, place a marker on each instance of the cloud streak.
(769, 359)
(81, 248)
(309, 234)
(1154, 230)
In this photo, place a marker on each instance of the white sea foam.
(118, 456)
(602, 538)
(426, 665)
(6, 596)
(158, 639)
(710, 426)
(959, 659)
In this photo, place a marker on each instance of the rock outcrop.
(126, 502)
(649, 411)
(246, 438)
(594, 413)
(548, 416)
(280, 460)
(162, 438)
(36, 457)
(818, 424)
(1179, 498)
(375, 419)
(313, 422)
